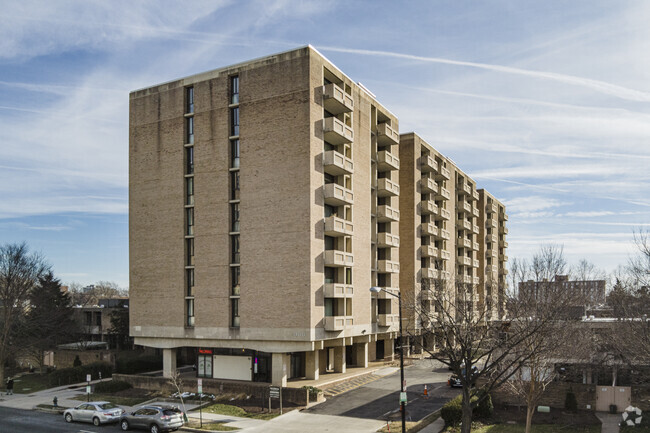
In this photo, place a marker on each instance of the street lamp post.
(401, 352)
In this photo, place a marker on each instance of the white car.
(96, 412)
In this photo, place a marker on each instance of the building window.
(234, 153)
(189, 100)
(189, 160)
(189, 219)
(189, 246)
(234, 121)
(235, 217)
(189, 130)
(234, 240)
(189, 190)
(89, 318)
(189, 275)
(234, 185)
(234, 275)
(189, 305)
(234, 303)
(234, 90)
(330, 275)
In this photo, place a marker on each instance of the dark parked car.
(96, 412)
(156, 418)
(454, 381)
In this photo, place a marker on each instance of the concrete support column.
(322, 362)
(389, 350)
(169, 362)
(372, 351)
(280, 368)
(312, 360)
(419, 342)
(339, 359)
(362, 354)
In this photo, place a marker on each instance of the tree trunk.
(466, 420)
(530, 410)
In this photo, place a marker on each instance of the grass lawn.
(396, 427)
(226, 409)
(210, 426)
(118, 400)
(518, 428)
(31, 383)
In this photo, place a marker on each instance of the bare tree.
(585, 270)
(639, 265)
(19, 274)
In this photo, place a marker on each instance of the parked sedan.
(155, 418)
(96, 412)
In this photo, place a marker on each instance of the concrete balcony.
(475, 229)
(386, 161)
(335, 100)
(336, 163)
(338, 259)
(337, 132)
(387, 319)
(442, 194)
(464, 207)
(475, 246)
(428, 229)
(428, 251)
(475, 263)
(334, 290)
(464, 225)
(475, 195)
(503, 244)
(445, 255)
(503, 271)
(336, 195)
(428, 164)
(491, 208)
(504, 216)
(491, 223)
(388, 266)
(428, 207)
(444, 234)
(335, 226)
(503, 257)
(443, 173)
(387, 240)
(464, 188)
(464, 243)
(337, 323)
(388, 293)
(386, 135)
(445, 214)
(476, 281)
(504, 230)
(475, 211)
(435, 274)
(491, 239)
(387, 188)
(428, 185)
(387, 214)
(464, 260)
(492, 253)
(466, 279)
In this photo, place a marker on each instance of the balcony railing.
(386, 135)
(388, 266)
(444, 234)
(386, 188)
(428, 163)
(336, 195)
(336, 163)
(387, 319)
(464, 242)
(445, 214)
(336, 258)
(334, 290)
(442, 194)
(335, 100)
(504, 230)
(503, 244)
(387, 240)
(465, 225)
(475, 211)
(428, 229)
(335, 226)
(386, 214)
(428, 207)
(337, 132)
(445, 255)
(475, 229)
(386, 161)
(475, 246)
(463, 188)
(443, 173)
(386, 293)
(491, 208)
(475, 195)
(504, 216)
(491, 239)
(475, 263)
(337, 323)
(464, 260)
(428, 185)
(428, 251)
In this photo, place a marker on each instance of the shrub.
(66, 376)
(485, 407)
(313, 392)
(112, 386)
(452, 411)
(76, 362)
(570, 402)
(138, 365)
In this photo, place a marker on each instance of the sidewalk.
(610, 422)
(231, 421)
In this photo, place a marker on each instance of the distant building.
(587, 293)
(95, 322)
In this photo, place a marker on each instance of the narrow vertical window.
(189, 160)
(234, 271)
(189, 130)
(190, 311)
(189, 246)
(189, 100)
(235, 312)
(235, 217)
(234, 90)
(234, 185)
(234, 153)
(235, 249)
(234, 121)
(189, 274)
(189, 219)
(189, 190)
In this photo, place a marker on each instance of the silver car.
(156, 418)
(96, 412)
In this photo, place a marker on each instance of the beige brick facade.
(322, 180)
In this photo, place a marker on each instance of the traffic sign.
(274, 392)
(200, 385)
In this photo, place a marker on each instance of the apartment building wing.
(582, 293)
(264, 203)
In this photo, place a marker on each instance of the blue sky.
(545, 104)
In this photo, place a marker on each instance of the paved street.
(31, 421)
(379, 399)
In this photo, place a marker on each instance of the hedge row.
(112, 386)
(452, 411)
(66, 376)
(139, 364)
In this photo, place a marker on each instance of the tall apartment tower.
(266, 199)
(264, 204)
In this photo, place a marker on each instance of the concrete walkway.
(300, 422)
(610, 422)
(230, 421)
